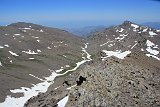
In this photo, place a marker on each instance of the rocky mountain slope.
(29, 52)
(128, 37)
(121, 70)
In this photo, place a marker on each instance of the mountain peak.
(127, 23)
(24, 24)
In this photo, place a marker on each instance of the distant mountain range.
(84, 31)
(155, 25)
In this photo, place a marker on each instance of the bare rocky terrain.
(28, 50)
(108, 83)
(121, 69)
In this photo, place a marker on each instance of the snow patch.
(149, 43)
(41, 30)
(38, 40)
(64, 56)
(11, 61)
(149, 48)
(35, 37)
(121, 30)
(12, 53)
(49, 47)
(135, 27)
(28, 92)
(31, 58)
(1, 47)
(118, 54)
(56, 88)
(59, 70)
(30, 52)
(106, 43)
(67, 66)
(61, 41)
(39, 50)
(17, 34)
(6, 45)
(149, 55)
(84, 50)
(0, 63)
(134, 45)
(110, 45)
(121, 37)
(63, 102)
(71, 87)
(151, 33)
(151, 51)
(25, 28)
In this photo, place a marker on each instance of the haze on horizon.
(78, 13)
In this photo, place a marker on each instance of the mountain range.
(155, 25)
(85, 31)
(49, 67)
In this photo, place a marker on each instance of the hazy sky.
(74, 13)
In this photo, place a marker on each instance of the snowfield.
(118, 54)
(152, 52)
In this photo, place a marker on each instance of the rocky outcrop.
(116, 84)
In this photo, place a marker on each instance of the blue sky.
(76, 13)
